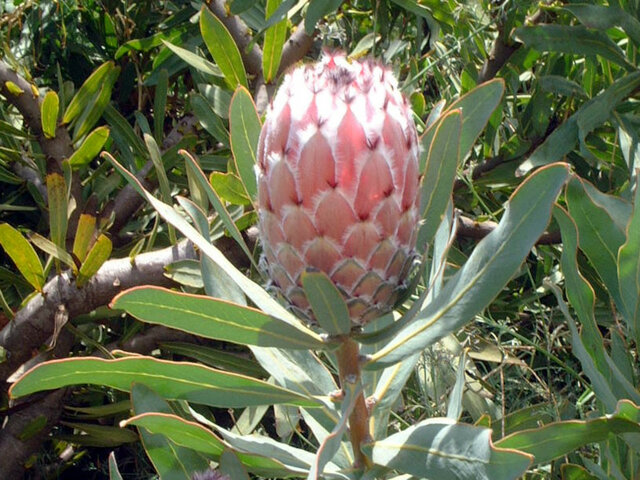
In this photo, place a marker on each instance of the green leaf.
(257, 294)
(196, 61)
(495, 259)
(194, 436)
(244, 124)
(87, 91)
(442, 157)
(95, 105)
(213, 318)
(84, 235)
(179, 431)
(229, 187)
(172, 380)
(332, 442)
(49, 114)
(223, 49)
(163, 180)
(90, 148)
(160, 105)
(582, 299)
(589, 116)
(114, 473)
(171, 461)
(23, 255)
(599, 231)
(443, 449)
(557, 439)
(327, 303)
(629, 272)
(58, 205)
(217, 204)
(562, 86)
(604, 18)
(316, 10)
(231, 466)
(211, 122)
(572, 40)
(13, 88)
(477, 106)
(217, 358)
(274, 38)
(101, 435)
(54, 250)
(99, 253)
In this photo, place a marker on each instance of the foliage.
(516, 351)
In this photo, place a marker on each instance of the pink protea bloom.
(338, 184)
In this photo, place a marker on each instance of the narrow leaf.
(244, 124)
(443, 449)
(557, 439)
(629, 272)
(171, 461)
(99, 253)
(495, 259)
(477, 106)
(327, 303)
(89, 88)
(196, 61)
(274, 39)
(84, 235)
(114, 473)
(576, 40)
(90, 148)
(590, 115)
(54, 250)
(442, 159)
(57, 196)
(599, 235)
(160, 105)
(23, 255)
(316, 10)
(211, 122)
(172, 380)
(49, 114)
(223, 49)
(213, 318)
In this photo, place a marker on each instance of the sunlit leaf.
(223, 49)
(494, 260)
(557, 439)
(90, 147)
(173, 380)
(49, 114)
(274, 38)
(98, 254)
(328, 305)
(213, 318)
(244, 124)
(23, 255)
(444, 449)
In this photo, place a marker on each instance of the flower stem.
(349, 371)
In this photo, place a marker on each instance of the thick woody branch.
(500, 53)
(34, 323)
(252, 58)
(295, 48)
(478, 230)
(58, 148)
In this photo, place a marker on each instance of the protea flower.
(338, 184)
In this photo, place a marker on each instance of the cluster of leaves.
(168, 90)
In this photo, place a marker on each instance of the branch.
(478, 230)
(294, 50)
(57, 148)
(241, 34)
(33, 324)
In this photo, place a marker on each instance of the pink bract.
(338, 184)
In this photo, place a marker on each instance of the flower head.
(338, 184)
